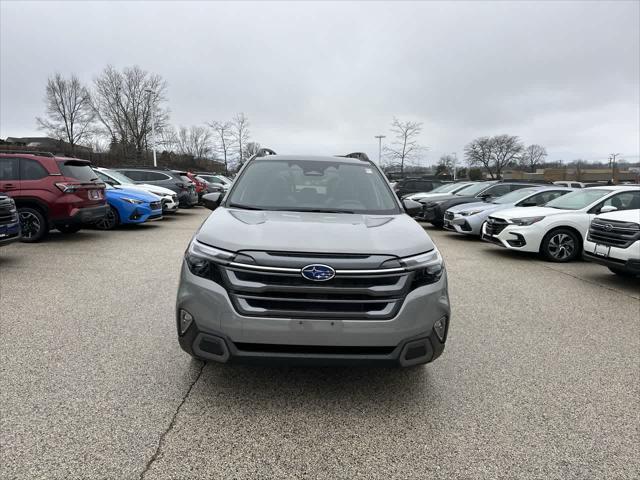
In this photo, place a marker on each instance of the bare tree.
(69, 115)
(126, 102)
(223, 131)
(505, 151)
(479, 153)
(167, 139)
(194, 141)
(240, 131)
(251, 149)
(533, 156)
(446, 165)
(405, 147)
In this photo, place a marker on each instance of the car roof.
(615, 187)
(312, 158)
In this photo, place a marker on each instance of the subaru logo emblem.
(318, 273)
(608, 227)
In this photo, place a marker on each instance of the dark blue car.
(9, 221)
(127, 205)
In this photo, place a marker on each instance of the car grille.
(613, 233)
(495, 225)
(366, 296)
(155, 205)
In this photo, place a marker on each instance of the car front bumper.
(513, 237)
(310, 341)
(471, 225)
(9, 233)
(627, 259)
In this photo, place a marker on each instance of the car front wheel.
(110, 221)
(561, 245)
(33, 224)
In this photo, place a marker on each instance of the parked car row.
(601, 224)
(40, 192)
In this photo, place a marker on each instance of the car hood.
(154, 188)
(121, 192)
(481, 206)
(519, 212)
(236, 230)
(428, 196)
(622, 216)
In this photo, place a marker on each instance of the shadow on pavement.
(360, 387)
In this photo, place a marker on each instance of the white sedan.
(558, 229)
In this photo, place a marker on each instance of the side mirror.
(412, 207)
(486, 197)
(212, 200)
(111, 182)
(607, 209)
(528, 204)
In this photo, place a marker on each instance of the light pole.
(612, 162)
(455, 161)
(380, 137)
(153, 126)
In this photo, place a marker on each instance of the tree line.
(118, 112)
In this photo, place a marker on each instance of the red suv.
(51, 192)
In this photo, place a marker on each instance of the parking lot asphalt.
(540, 377)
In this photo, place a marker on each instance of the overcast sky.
(327, 77)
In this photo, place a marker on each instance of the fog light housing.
(440, 328)
(186, 319)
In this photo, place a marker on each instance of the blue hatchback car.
(129, 206)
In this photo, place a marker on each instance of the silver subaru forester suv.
(314, 261)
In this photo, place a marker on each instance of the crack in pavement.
(161, 441)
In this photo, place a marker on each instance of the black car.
(407, 186)
(9, 221)
(433, 210)
(164, 177)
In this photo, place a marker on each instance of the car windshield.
(315, 186)
(577, 200)
(473, 189)
(514, 197)
(119, 177)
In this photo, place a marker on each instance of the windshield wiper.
(244, 207)
(318, 210)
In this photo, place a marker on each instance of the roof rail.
(357, 155)
(27, 152)
(143, 167)
(265, 152)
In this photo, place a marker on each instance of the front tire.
(33, 224)
(110, 221)
(561, 245)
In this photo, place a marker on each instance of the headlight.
(470, 212)
(133, 200)
(525, 221)
(428, 267)
(201, 260)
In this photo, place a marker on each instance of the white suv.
(614, 241)
(557, 229)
